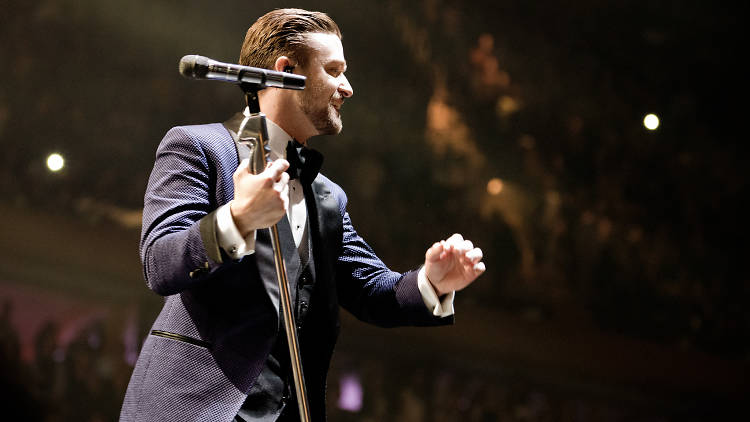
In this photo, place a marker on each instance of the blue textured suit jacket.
(220, 316)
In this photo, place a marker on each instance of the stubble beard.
(325, 119)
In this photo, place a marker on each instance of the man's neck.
(277, 136)
(281, 107)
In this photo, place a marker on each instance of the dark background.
(617, 284)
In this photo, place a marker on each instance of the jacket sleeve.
(178, 239)
(371, 291)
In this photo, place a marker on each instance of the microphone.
(199, 67)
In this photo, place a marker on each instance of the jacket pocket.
(180, 337)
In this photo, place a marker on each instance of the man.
(217, 351)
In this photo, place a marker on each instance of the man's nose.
(345, 89)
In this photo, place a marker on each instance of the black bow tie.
(304, 163)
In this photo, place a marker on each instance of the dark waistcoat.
(273, 392)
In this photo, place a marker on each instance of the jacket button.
(199, 272)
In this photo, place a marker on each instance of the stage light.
(494, 186)
(350, 393)
(651, 121)
(55, 162)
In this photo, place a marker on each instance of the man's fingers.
(479, 268)
(455, 239)
(457, 247)
(433, 253)
(457, 244)
(282, 183)
(280, 187)
(277, 168)
(464, 246)
(445, 248)
(244, 164)
(474, 255)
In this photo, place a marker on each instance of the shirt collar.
(277, 138)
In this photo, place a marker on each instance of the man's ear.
(283, 64)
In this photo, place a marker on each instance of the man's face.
(326, 86)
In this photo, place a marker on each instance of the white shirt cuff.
(439, 308)
(229, 236)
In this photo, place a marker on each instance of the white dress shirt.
(232, 242)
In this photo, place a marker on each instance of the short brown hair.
(281, 32)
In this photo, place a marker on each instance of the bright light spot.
(351, 393)
(651, 121)
(494, 186)
(55, 162)
(506, 106)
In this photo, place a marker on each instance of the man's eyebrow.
(337, 63)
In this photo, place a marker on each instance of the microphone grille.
(193, 66)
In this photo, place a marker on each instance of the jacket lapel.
(327, 226)
(325, 213)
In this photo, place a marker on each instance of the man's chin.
(330, 130)
(327, 122)
(333, 126)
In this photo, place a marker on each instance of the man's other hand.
(452, 264)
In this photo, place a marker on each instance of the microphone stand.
(254, 133)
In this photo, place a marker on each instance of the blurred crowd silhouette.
(85, 381)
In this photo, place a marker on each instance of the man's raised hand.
(452, 264)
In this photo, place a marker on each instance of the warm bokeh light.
(651, 121)
(55, 162)
(507, 105)
(494, 186)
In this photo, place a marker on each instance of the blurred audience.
(85, 381)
